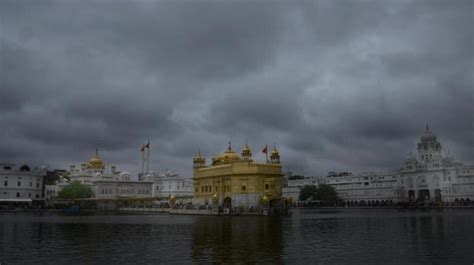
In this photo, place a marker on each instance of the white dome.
(124, 174)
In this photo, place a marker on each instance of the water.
(346, 236)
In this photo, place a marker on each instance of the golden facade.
(234, 180)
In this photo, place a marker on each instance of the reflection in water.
(238, 239)
(333, 237)
(380, 237)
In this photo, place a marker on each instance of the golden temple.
(234, 180)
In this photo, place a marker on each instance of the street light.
(214, 198)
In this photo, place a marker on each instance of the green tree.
(308, 192)
(75, 190)
(326, 193)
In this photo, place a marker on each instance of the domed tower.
(429, 147)
(246, 153)
(199, 160)
(225, 158)
(275, 156)
(96, 163)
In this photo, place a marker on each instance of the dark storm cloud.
(338, 85)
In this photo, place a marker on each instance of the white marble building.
(122, 187)
(293, 187)
(22, 184)
(431, 174)
(170, 184)
(105, 181)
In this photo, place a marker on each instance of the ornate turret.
(429, 147)
(96, 162)
(246, 153)
(275, 156)
(199, 160)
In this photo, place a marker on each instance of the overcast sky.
(337, 85)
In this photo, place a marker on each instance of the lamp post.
(265, 204)
(172, 201)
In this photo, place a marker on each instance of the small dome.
(96, 159)
(274, 151)
(199, 159)
(246, 149)
(246, 152)
(124, 174)
(275, 156)
(428, 136)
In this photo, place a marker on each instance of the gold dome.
(228, 156)
(96, 162)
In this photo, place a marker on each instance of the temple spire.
(246, 153)
(427, 127)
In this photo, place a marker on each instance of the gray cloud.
(337, 85)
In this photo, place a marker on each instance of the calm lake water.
(346, 236)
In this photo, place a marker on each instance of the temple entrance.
(437, 193)
(411, 195)
(423, 195)
(275, 206)
(227, 203)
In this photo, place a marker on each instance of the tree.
(308, 192)
(326, 193)
(75, 190)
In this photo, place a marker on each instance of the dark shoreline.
(385, 208)
(299, 208)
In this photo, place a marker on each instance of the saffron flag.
(265, 150)
(147, 145)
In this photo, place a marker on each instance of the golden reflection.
(243, 240)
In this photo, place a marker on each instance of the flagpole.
(148, 158)
(266, 152)
(143, 161)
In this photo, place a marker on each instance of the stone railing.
(155, 210)
(193, 211)
(169, 210)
